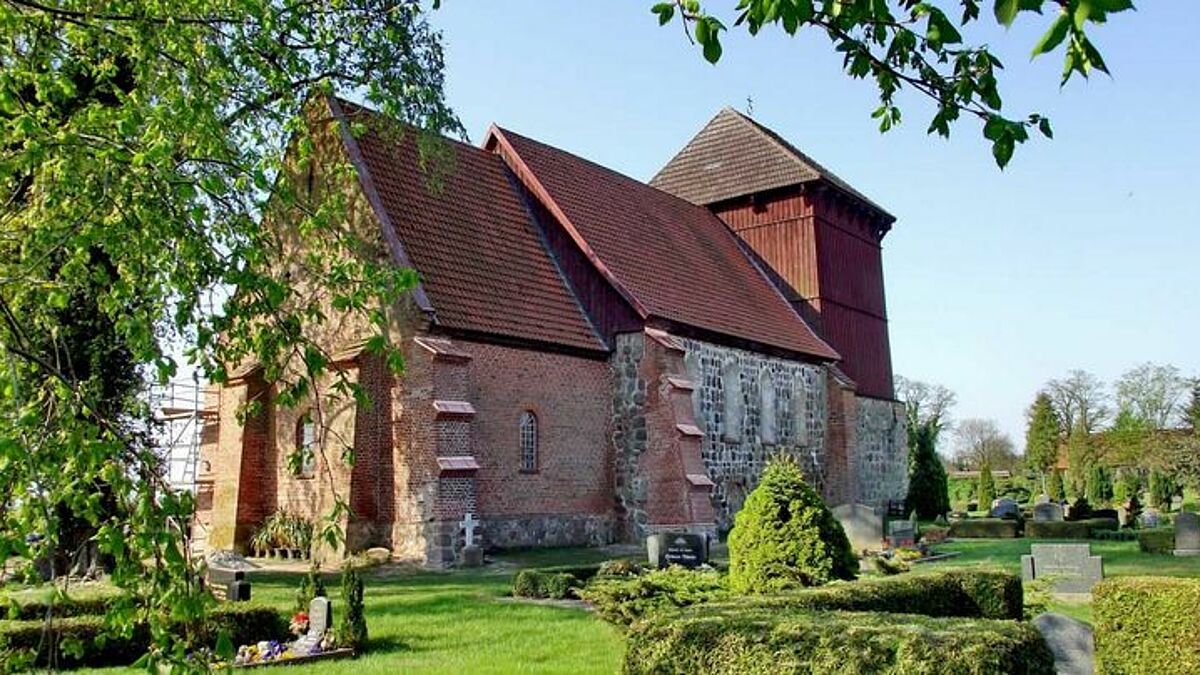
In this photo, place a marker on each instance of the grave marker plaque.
(677, 548)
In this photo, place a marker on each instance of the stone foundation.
(550, 530)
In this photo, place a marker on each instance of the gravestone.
(1070, 640)
(1005, 507)
(1072, 567)
(1047, 512)
(230, 585)
(1149, 518)
(1042, 499)
(677, 548)
(471, 554)
(864, 528)
(1187, 534)
(901, 534)
(320, 618)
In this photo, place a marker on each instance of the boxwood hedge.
(1159, 540)
(1069, 529)
(82, 640)
(1147, 625)
(733, 639)
(979, 593)
(984, 528)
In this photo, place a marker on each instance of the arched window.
(306, 446)
(529, 442)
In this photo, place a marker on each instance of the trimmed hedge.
(35, 610)
(980, 593)
(1160, 540)
(245, 622)
(984, 528)
(735, 640)
(623, 600)
(1147, 625)
(973, 594)
(542, 584)
(1069, 529)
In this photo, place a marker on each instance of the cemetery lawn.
(460, 622)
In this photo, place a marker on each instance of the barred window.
(529, 442)
(306, 446)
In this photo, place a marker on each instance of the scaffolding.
(180, 414)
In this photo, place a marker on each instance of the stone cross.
(469, 523)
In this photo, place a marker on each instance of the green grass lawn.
(462, 622)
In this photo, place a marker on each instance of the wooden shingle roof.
(734, 156)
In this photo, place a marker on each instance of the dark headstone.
(228, 584)
(238, 591)
(901, 534)
(1187, 534)
(677, 548)
(1047, 512)
(1108, 514)
(1005, 507)
(1149, 518)
(1071, 641)
(1071, 567)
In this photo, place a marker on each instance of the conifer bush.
(987, 486)
(785, 536)
(928, 492)
(352, 627)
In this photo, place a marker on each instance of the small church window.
(306, 447)
(529, 442)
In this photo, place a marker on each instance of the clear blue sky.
(1082, 254)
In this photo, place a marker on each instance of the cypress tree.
(928, 486)
(1192, 412)
(1055, 488)
(987, 486)
(1042, 437)
(1162, 489)
(1099, 485)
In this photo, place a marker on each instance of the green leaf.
(1006, 11)
(665, 12)
(1054, 36)
(1002, 150)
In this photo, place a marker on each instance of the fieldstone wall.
(881, 453)
(547, 530)
(629, 434)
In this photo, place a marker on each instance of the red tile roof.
(480, 256)
(671, 258)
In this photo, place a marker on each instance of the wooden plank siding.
(828, 251)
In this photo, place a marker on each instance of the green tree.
(784, 536)
(1043, 437)
(140, 143)
(352, 628)
(1163, 488)
(1081, 455)
(1191, 413)
(1099, 485)
(1055, 488)
(987, 486)
(920, 46)
(928, 489)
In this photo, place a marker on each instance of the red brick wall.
(571, 398)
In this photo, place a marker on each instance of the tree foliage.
(140, 143)
(928, 486)
(1162, 489)
(785, 536)
(980, 440)
(1099, 485)
(1153, 393)
(987, 486)
(921, 46)
(1080, 400)
(1043, 436)
(1055, 488)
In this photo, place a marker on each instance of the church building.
(588, 358)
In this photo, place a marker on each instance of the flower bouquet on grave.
(299, 623)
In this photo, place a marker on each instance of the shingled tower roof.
(734, 156)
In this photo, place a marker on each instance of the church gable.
(471, 237)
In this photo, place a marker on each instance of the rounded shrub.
(784, 536)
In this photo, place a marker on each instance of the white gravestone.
(320, 617)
